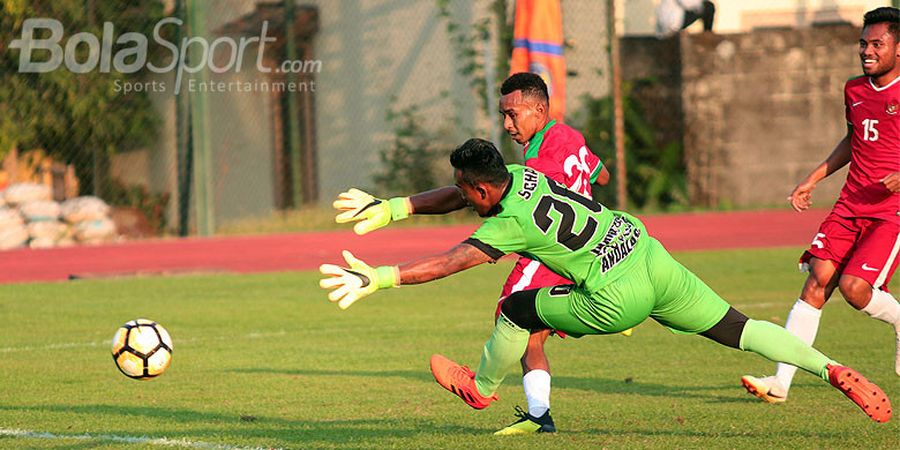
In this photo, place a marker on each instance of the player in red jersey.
(857, 247)
(558, 151)
(553, 148)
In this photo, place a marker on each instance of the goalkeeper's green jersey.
(572, 235)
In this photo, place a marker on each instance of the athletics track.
(305, 251)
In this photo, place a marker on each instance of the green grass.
(266, 361)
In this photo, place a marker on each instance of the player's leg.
(768, 340)
(521, 313)
(505, 346)
(518, 319)
(536, 378)
(686, 304)
(708, 14)
(536, 383)
(875, 303)
(554, 307)
(803, 322)
(622, 304)
(883, 306)
(777, 344)
(831, 245)
(536, 374)
(869, 270)
(460, 379)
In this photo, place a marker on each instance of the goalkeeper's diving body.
(553, 149)
(621, 277)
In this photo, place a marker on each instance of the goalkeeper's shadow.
(417, 375)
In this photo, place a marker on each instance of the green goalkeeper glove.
(356, 282)
(372, 213)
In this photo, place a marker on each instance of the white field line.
(163, 441)
(178, 343)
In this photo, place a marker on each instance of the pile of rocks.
(29, 216)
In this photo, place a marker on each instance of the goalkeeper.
(554, 149)
(622, 276)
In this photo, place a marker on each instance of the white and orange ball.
(142, 349)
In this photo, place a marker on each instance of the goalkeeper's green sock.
(505, 347)
(779, 345)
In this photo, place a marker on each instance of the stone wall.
(755, 111)
(376, 55)
(762, 109)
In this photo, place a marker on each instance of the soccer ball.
(142, 349)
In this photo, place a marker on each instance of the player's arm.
(372, 213)
(461, 257)
(599, 174)
(359, 279)
(801, 197)
(602, 177)
(438, 201)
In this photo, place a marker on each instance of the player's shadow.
(417, 375)
(717, 434)
(731, 392)
(213, 427)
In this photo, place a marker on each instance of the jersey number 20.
(565, 234)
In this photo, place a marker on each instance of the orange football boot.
(868, 396)
(459, 380)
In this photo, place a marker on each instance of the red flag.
(538, 48)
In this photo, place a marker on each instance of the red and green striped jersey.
(559, 152)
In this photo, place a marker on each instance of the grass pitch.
(265, 361)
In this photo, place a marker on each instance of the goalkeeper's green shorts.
(657, 287)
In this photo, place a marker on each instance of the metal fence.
(198, 113)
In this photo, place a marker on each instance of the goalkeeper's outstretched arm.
(358, 280)
(461, 257)
(438, 201)
(371, 213)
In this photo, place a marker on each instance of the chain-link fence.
(189, 115)
(192, 114)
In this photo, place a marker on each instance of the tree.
(77, 118)
(656, 169)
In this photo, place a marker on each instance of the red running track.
(305, 251)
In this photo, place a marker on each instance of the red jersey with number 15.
(874, 116)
